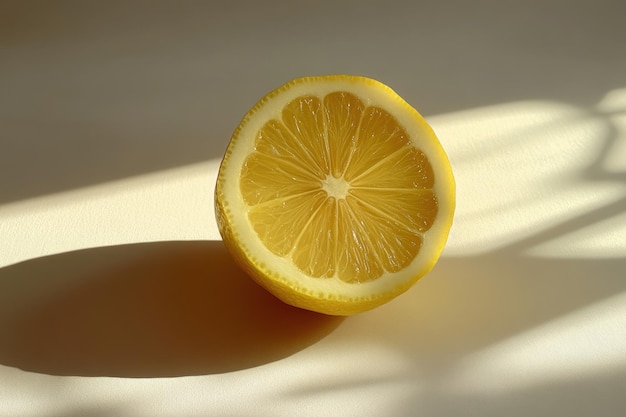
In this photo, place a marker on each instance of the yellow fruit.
(334, 194)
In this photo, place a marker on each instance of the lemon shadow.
(145, 310)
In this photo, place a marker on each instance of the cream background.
(117, 298)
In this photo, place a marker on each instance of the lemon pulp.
(339, 189)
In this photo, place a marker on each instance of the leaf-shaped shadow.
(145, 310)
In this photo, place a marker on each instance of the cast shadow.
(145, 310)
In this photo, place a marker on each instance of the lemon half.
(335, 194)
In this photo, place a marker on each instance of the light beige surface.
(117, 298)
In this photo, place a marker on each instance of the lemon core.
(336, 187)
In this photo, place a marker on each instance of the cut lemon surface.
(335, 194)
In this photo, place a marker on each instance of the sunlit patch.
(173, 204)
(583, 344)
(528, 167)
